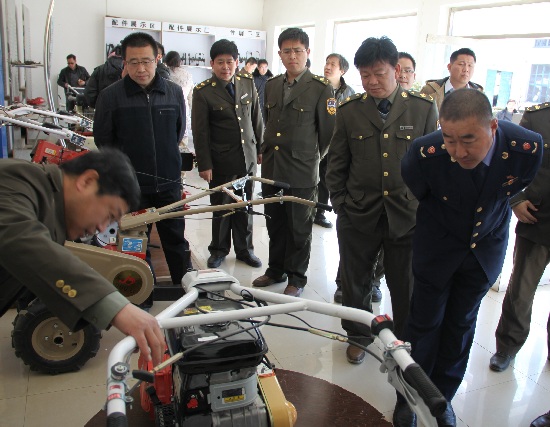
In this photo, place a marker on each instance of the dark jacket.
(163, 70)
(102, 76)
(147, 126)
(260, 82)
(343, 92)
(450, 222)
(66, 75)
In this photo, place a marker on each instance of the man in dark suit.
(531, 252)
(375, 209)
(300, 113)
(227, 133)
(463, 177)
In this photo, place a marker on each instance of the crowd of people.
(423, 184)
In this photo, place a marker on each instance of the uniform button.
(545, 145)
(66, 289)
(237, 106)
(473, 245)
(385, 155)
(278, 134)
(60, 283)
(508, 193)
(513, 143)
(242, 130)
(276, 148)
(302, 110)
(478, 224)
(445, 198)
(386, 173)
(386, 136)
(476, 234)
(239, 118)
(243, 141)
(408, 137)
(479, 209)
(386, 193)
(72, 293)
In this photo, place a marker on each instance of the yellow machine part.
(129, 274)
(281, 412)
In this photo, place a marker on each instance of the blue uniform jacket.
(452, 218)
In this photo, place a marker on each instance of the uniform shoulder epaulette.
(320, 79)
(274, 77)
(204, 83)
(350, 98)
(430, 149)
(522, 141)
(538, 107)
(420, 95)
(244, 74)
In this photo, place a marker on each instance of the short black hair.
(71, 56)
(263, 61)
(160, 48)
(224, 47)
(251, 60)
(462, 51)
(138, 39)
(374, 50)
(464, 103)
(172, 59)
(344, 64)
(116, 174)
(408, 56)
(294, 34)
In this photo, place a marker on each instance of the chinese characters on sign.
(133, 24)
(185, 28)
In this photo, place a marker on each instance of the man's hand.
(259, 159)
(522, 212)
(133, 321)
(206, 175)
(81, 82)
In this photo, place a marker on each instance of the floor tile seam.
(31, 394)
(477, 389)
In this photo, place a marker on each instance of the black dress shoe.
(355, 354)
(448, 418)
(322, 221)
(214, 261)
(376, 294)
(500, 361)
(265, 280)
(542, 421)
(250, 259)
(403, 415)
(293, 291)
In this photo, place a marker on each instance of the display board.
(118, 28)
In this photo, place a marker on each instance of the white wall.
(78, 26)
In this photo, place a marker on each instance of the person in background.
(104, 75)
(508, 112)
(162, 69)
(461, 69)
(227, 133)
(180, 75)
(261, 75)
(463, 177)
(41, 206)
(72, 75)
(407, 75)
(144, 116)
(251, 65)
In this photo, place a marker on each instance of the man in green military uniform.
(300, 113)
(375, 209)
(227, 133)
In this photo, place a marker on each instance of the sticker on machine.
(132, 245)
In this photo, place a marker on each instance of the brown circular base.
(318, 403)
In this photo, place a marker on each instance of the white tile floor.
(509, 399)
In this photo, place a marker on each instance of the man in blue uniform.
(463, 177)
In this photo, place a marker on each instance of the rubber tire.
(35, 319)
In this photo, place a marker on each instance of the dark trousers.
(171, 233)
(530, 261)
(377, 276)
(442, 322)
(358, 258)
(238, 224)
(322, 190)
(289, 228)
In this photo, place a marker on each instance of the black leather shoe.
(322, 221)
(250, 259)
(355, 355)
(265, 280)
(293, 291)
(500, 361)
(376, 294)
(542, 421)
(448, 418)
(403, 415)
(214, 261)
(338, 296)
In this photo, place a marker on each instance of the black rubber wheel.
(47, 345)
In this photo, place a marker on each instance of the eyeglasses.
(294, 50)
(144, 62)
(407, 71)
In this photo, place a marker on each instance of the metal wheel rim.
(53, 340)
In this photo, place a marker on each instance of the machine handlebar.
(431, 395)
(117, 419)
